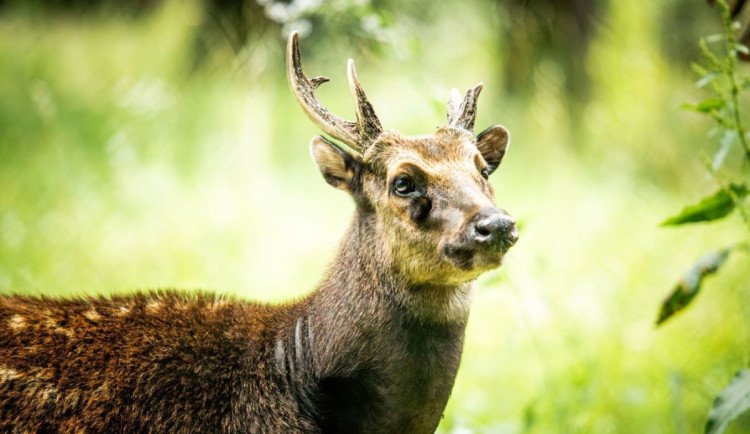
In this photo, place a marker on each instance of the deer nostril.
(483, 230)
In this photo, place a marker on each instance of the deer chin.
(471, 260)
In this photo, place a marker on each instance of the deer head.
(429, 194)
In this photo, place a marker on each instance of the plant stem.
(725, 185)
(731, 42)
(731, 73)
(737, 118)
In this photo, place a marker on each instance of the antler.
(357, 135)
(462, 114)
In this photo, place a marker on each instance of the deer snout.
(492, 225)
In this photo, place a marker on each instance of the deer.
(374, 348)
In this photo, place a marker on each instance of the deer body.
(375, 348)
(347, 358)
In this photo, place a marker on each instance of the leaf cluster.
(719, 74)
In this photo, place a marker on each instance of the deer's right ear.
(339, 168)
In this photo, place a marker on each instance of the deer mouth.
(470, 255)
(461, 256)
(483, 241)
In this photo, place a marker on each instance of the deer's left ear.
(492, 144)
(339, 168)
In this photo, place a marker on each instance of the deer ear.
(339, 168)
(492, 144)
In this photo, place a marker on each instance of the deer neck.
(363, 272)
(365, 301)
(366, 332)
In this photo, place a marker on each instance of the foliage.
(730, 403)
(720, 74)
(690, 284)
(714, 207)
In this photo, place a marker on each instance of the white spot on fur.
(219, 303)
(17, 322)
(124, 310)
(47, 392)
(154, 306)
(39, 393)
(51, 323)
(92, 315)
(63, 331)
(7, 374)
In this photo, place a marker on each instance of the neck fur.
(363, 272)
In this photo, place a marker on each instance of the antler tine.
(304, 91)
(367, 120)
(463, 114)
(454, 103)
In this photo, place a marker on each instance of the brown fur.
(375, 348)
(353, 356)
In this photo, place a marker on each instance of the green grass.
(122, 168)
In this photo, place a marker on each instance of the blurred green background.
(155, 144)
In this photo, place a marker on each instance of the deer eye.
(485, 173)
(403, 186)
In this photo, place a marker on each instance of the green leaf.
(725, 144)
(729, 403)
(707, 105)
(710, 208)
(709, 57)
(687, 288)
(710, 104)
(699, 69)
(707, 79)
(718, 37)
(742, 48)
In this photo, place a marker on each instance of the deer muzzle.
(492, 226)
(485, 239)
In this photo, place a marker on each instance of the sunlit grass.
(122, 168)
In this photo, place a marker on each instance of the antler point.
(317, 81)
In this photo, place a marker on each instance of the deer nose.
(492, 225)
